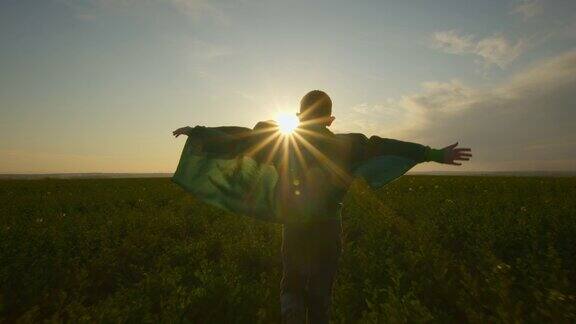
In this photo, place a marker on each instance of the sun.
(287, 123)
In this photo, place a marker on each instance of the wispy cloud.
(492, 50)
(528, 9)
(526, 122)
(496, 49)
(453, 42)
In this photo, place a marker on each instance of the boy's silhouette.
(314, 169)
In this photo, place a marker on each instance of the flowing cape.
(214, 169)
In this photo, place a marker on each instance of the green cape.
(218, 173)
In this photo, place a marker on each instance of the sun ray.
(312, 133)
(261, 144)
(299, 154)
(272, 152)
(343, 176)
(286, 153)
(312, 121)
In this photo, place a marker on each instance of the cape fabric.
(214, 168)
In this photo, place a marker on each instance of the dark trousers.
(310, 254)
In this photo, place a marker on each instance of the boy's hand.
(453, 154)
(181, 131)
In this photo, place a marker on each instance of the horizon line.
(88, 175)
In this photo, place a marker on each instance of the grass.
(423, 249)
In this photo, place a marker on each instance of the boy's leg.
(294, 274)
(323, 268)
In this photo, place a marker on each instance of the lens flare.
(287, 123)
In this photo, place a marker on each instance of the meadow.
(434, 249)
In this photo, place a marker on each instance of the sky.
(99, 85)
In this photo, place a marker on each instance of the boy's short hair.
(315, 104)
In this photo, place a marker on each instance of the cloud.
(492, 50)
(526, 122)
(452, 42)
(365, 108)
(528, 9)
(499, 51)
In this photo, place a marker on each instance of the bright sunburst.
(287, 123)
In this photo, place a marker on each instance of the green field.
(423, 249)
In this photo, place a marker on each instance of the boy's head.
(316, 108)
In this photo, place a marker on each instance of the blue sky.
(98, 85)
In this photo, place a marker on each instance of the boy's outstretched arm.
(230, 130)
(450, 154)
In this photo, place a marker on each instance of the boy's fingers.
(452, 146)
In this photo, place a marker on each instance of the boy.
(314, 169)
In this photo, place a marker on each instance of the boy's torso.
(314, 175)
